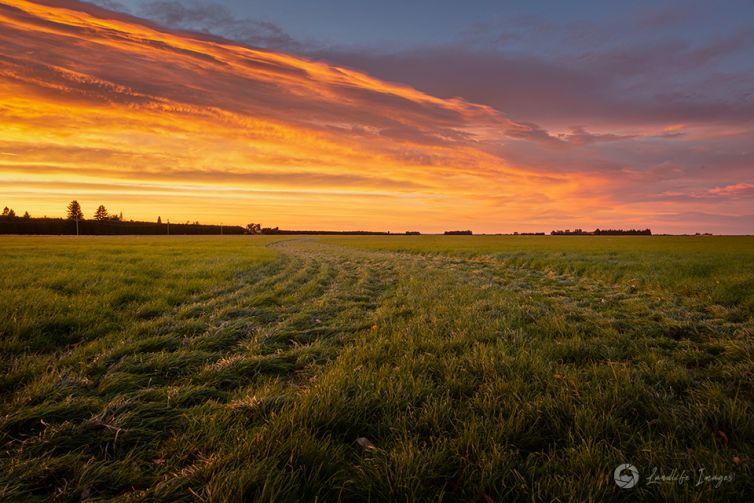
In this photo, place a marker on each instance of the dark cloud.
(215, 19)
(112, 5)
(577, 135)
(597, 89)
(650, 67)
(531, 131)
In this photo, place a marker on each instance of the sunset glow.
(109, 109)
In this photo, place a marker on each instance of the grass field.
(478, 368)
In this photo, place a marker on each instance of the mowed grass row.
(711, 270)
(472, 375)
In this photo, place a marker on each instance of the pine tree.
(74, 211)
(101, 213)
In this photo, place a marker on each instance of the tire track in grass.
(310, 328)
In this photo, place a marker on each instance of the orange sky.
(110, 110)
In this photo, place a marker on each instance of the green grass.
(710, 270)
(246, 368)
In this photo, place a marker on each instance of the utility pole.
(221, 228)
(168, 227)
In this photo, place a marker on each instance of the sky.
(424, 115)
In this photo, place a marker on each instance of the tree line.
(102, 223)
(603, 232)
(255, 228)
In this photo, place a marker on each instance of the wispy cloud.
(737, 190)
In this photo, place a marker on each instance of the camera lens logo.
(626, 476)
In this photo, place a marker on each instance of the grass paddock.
(253, 368)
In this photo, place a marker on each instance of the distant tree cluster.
(621, 232)
(413, 233)
(74, 212)
(458, 233)
(253, 229)
(569, 232)
(603, 232)
(10, 213)
(258, 229)
(528, 233)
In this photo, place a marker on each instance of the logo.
(626, 476)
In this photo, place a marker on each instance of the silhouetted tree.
(101, 213)
(6, 212)
(74, 211)
(26, 214)
(254, 229)
(159, 220)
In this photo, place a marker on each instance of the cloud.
(531, 131)
(216, 19)
(590, 89)
(742, 189)
(577, 135)
(675, 63)
(642, 68)
(580, 136)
